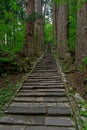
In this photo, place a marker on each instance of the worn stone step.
(29, 104)
(13, 127)
(42, 84)
(59, 111)
(41, 104)
(47, 70)
(48, 128)
(26, 110)
(53, 109)
(59, 121)
(37, 120)
(39, 94)
(44, 77)
(58, 99)
(42, 90)
(52, 66)
(44, 72)
(22, 120)
(41, 99)
(24, 127)
(44, 81)
(43, 87)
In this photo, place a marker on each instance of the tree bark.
(39, 26)
(81, 46)
(29, 39)
(55, 23)
(63, 29)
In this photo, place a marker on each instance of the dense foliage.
(11, 28)
(48, 33)
(12, 31)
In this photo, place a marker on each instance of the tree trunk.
(81, 46)
(39, 26)
(63, 29)
(29, 39)
(55, 23)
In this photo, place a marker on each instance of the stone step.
(43, 87)
(58, 99)
(36, 92)
(41, 104)
(41, 99)
(42, 84)
(51, 109)
(45, 77)
(42, 90)
(13, 127)
(48, 128)
(59, 111)
(59, 121)
(24, 127)
(44, 81)
(45, 73)
(46, 70)
(37, 120)
(26, 110)
(39, 94)
(22, 120)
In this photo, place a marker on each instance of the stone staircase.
(41, 103)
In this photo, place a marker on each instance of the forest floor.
(11, 78)
(76, 77)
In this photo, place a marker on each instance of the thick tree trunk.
(63, 29)
(55, 23)
(81, 46)
(39, 26)
(29, 40)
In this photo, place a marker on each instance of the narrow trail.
(41, 103)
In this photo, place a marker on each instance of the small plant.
(85, 60)
(85, 125)
(84, 63)
(83, 112)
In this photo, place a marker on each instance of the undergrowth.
(83, 113)
(6, 95)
